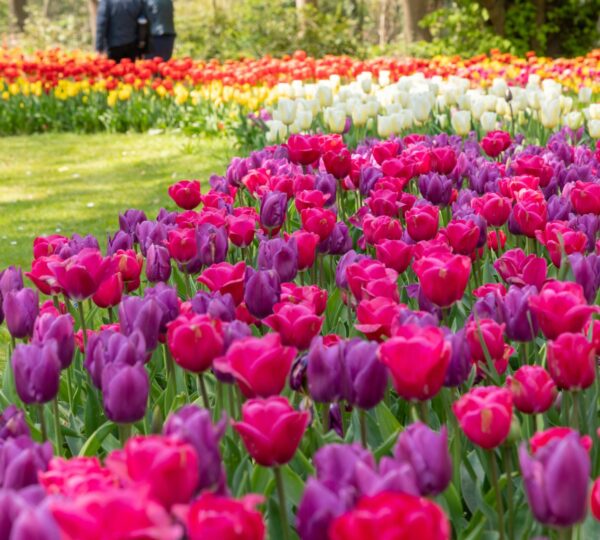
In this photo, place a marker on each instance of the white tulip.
(336, 120)
(385, 126)
(550, 113)
(420, 105)
(365, 80)
(360, 115)
(477, 107)
(574, 120)
(324, 95)
(287, 110)
(585, 94)
(393, 108)
(440, 102)
(372, 108)
(594, 111)
(404, 118)
(304, 119)
(488, 121)
(594, 128)
(499, 87)
(461, 122)
(295, 128)
(277, 131)
(464, 102)
(566, 104)
(335, 81)
(442, 120)
(490, 102)
(533, 99)
(502, 108)
(384, 77)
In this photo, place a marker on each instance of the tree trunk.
(382, 30)
(46, 8)
(93, 11)
(497, 11)
(413, 12)
(18, 13)
(301, 15)
(540, 19)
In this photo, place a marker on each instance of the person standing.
(162, 28)
(117, 28)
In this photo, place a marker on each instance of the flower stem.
(42, 422)
(124, 433)
(424, 412)
(202, 390)
(509, 489)
(82, 322)
(496, 486)
(362, 420)
(282, 506)
(57, 428)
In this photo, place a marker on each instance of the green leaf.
(388, 424)
(94, 442)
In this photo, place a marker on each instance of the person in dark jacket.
(162, 28)
(117, 28)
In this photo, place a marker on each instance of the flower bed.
(327, 344)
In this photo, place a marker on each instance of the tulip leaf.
(93, 443)
(386, 421)
(259, 479)
(294, 486)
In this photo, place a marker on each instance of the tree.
(18, 12)
(414, 11)
(93, 12)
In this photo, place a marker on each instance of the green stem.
(171, 382)
(424, 412)
(325, 417)
(575, 412)
(202, 391)
(57, 428)
(565, 533)
(282, 505)
(219, 407)
(111, 315)
(509, 489)
(362, 420)
(69, 388)
(496, 486)
(42, 421)
(124, 433)
(82, 322)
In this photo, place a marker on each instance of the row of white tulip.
(415, 100)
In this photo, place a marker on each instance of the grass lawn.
(66, 183)
(70, 183)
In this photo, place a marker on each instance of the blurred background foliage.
(235, 28)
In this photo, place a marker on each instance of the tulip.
(520, 323)
(167, 300)
(381, 228)
(271, 430)
(423, 381)
(337, 163)
(542, 438)
(279, 255)
(193, 426)
(225, 278)
(422, 222)
(216, 305)
(485, 335)
(211, 244)
(110, 291)
(535, 166)
(20, 309)
(120, 241)
(561, 240)
(375, 317)
(166, 468)
(60, 329)
(460, 365)
(556, 481)
(462, 235)
(43, 246)
(211, 516)
(420, 105)
(186, 194)
(151, 233)
(310, 296)
(484, 414)
(519, 269)
(11, 280)
(262, 291)
(143, 314)
(125, 391)
(296, 324)
(494, 208)
(273, 208)
(129, 264)
(80, 275)
(571, 361)
(595, 499)
(530, 216)
(443, 277)
(158, 264)
(586, 271)
(129, 220)
(182, 245)
(24, 521)
(532, 388)
(241, 229)
(495, 142)
(395, 254)
(306, 243)
(561, 307)
(426, 452)
(260, 365)
(318, 221)
(37, 371)
(12, 423)
(461, 122)
(388, 515)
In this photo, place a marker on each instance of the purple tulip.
(349, 258)
(20, 461)
(20, 310)
(37, 371)
(110, 347)
(236, 170)
(586, 270)
(77, 244)
(121, 240)
(336, 466)
(338, 242)
(125, 391)
(327, 184)
(461, 365)
(336, 422)
(166, 217)
(167, 299)
(436, 188)
(60, 329)
(217, 305)
(318, 508)
(559, 208)
(426, 452)
(11, 279)
(158, 264)
(212, 244)
(556, 481)
(151, 233)
(391, 475)
(279, 255)
(35, 523)
(589, 224)
(262, 291)
(298, 372)
(521, 323)
(423, 319)
(193, 425)
(273, 208)
(367, 180)
(364, 377)
(129, 220)
(143, 314)
(324, 372)
(12, 423)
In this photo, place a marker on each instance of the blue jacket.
(116, 23)
(160, 17)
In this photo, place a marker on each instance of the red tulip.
(595, 499)
(109, 292)
(542, 438)
(492, 335)
(80, 275)
(43, 277)
(383, 202)
(304, 182)
(560, 240)
(519, 269)
(484, 414)
(381, 228)
(592, 330)
(303, 149)
(43, 246)
(375, 317)
(534, 166)
(338, 162)
(422, 222)
(571, 361)
(561, 307)
(530, 213)
(241, 229)
(495, 142)
(462, 235)
(395, 254)
(443, 277)
(385, 150)
(368, 279)
(311, 199)
(308, 295)
(129, 264)
(496, 240)
(532, 389)
(510, 187)
(494, 208)
(260, 365)
(271, 430)
(182, 244)
(585, 197)
(186, 194)
(297, 324)
(416, 380)
(223, 518)
(195, 341)
(319, 221)
(307, 247)
(225, 278)
(489, 288)
(393, 516)
(165, 468)
(443, 159)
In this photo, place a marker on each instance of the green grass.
(66, 183)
